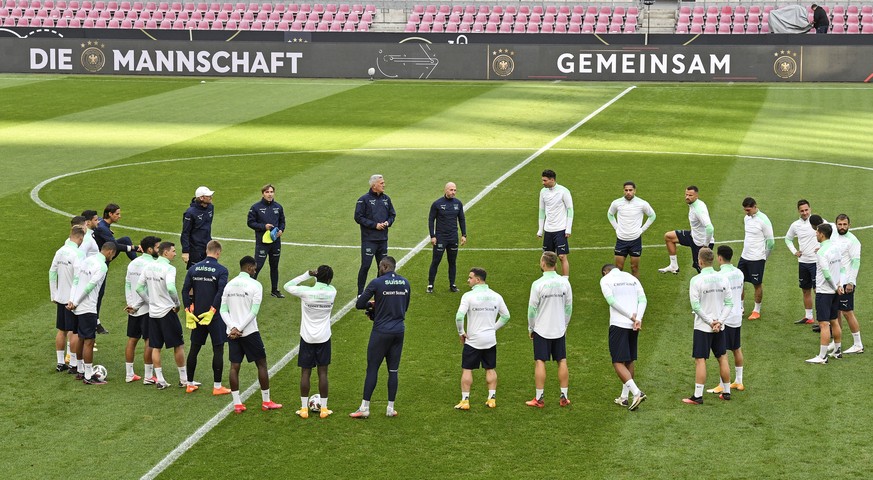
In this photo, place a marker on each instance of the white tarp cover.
(789, 19)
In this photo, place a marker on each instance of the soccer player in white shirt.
(733, 323)
(701, 234)
(316, 304)
(626, 216)
(138, 321)
(240, 304)
(627, 304)
(757, 245)
(556, 219)
(850, 255)
(61, 275)
(90, 275)
(712, 303)
(486, 313)
(548, 314)
(805, 235)
(827, 291)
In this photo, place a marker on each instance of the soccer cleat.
(669, 269)
(463, 405)
(831, 348)
(277, 294)
(838, 353)
(453, 289)
(564, 401)
(101, 330)
(816, 328)
(754, 316)
(620, 401)
(693, 400)
(638, 399)
(133, 378)
(717, 389)
(150, 381)
(270, 405)
(854, 349)
(491, 402)
(303, 412)
(183, 384)
(324, 413)
(221, 391)
(73, 370)
(80, 376)
(390, 412)
(818, 360)
(162, 385)
(536, 402)
(239, 408)
(196, 384)
(360, 414)
(804, 321)
(93, 381)
(430, 289)
(737, 386)
(191, 388)
(62, 367)
(725, 396)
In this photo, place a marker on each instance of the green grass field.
(147, 143)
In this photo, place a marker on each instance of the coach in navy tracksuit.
(391, 294)
(446, 214)
(375, 214)
(204, 284)
(264, 216)
(197, 226)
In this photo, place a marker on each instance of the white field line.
(212, 422)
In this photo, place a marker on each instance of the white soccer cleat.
(818, 360)
(669, 269)
(854, 349)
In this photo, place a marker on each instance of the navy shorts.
(138, 327)
(165, 331)
(385, 346)
(753, 270)
(251, 346)
(313, 354)
(623, 344)
(847, 301)
(216, 330)
(66, 319)
(634, 248)
(376, 249)
(704, 342)
(731, 338)
(546, 349)
(263, 249)
(556, 242)
(806, 275)
(472, 358)
(827, 306)
(87, 325)
(685, 240)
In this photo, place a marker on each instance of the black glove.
(370, 311)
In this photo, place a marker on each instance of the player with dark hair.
(103, 233)
(556, 219)
(828, 288)
(240, 304)
(375, 214)
(316, 304)
(391, 294)
(850, 263)
(446, 215)
(267, 219)
(138, 321)
(734, 322)
(197, 226)
(702, 233)
(758, 242)
(89, 220)
(201, 297)
(90, 275)
(805, 254)
(61, 275)
(626, 216)
(627, 304)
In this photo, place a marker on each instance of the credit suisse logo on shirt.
(276, 211)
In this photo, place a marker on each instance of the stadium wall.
(510, 58)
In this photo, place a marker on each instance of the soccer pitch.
(71, 143)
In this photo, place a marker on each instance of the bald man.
(446, 214)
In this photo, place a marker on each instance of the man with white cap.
(197, 226)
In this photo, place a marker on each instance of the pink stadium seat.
(765, 28)
(577, 29)
(548, 28)
(478, 27)
(296, 27)
(533, 28)
(518, 27)
(410, 27)
(867, 19)
(838, 28)
(364, 27)
(490, 28)
(535, 18)
(867, 29)
(601, 28)
(537, 9)
(709, 29)
(630, 29)
(450, 28)
(615, 28)
(681, 28)
(853, 29)
(524, 9)
(724, 28)
(438, 28)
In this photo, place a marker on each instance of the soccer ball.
(100, 372)
(315, 403)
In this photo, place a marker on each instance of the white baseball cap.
(203, 192)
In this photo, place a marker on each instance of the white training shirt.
(157, 286)
(626, 217)
(63, 271)
(90, 274)
(556, 210)
(131, 280)
(711, 299)
(850, 256)
(805, 234)
(316, 304)
(702, 230)
(482, 306)
(758, 242)
(550, 306)
(89, 244)
(828, 263)
(240, 304)
(735, 281)
(625, 296)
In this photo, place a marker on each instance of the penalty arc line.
(189, 442)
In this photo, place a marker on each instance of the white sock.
(465, 395)
(390, 406)
(98, 321)
(726, 386)
(739, 374)
(304, 402)
(89, 370)
(216, 385)
(149, 370)
(564, 391)
(539, 393)
(365, 405)
(265, 395)
(492, 393)
(236, 399)
(159, 372)
(624, 390)
(823, 351)
(80, 368)
(183, 375)
(698, 389)
(757, 307)
(831, 346)
(74, 360)
(60, 354)
(838, 346)
(808, 313)
(128, 368)
(323, 402)
(674, 262)
(632, 387)
(856, 337)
